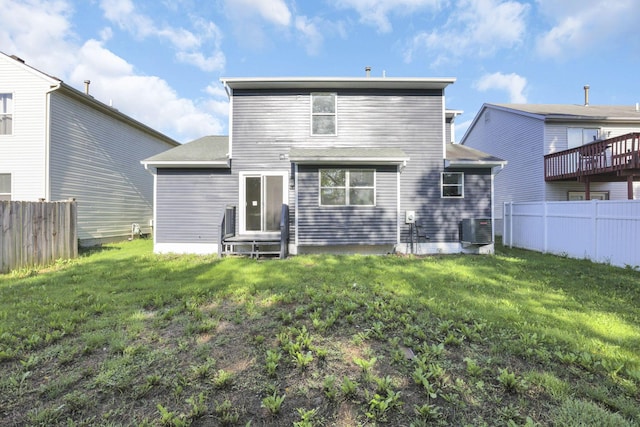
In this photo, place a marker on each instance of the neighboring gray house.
(58, 143)
(559, 152)
(327, 165)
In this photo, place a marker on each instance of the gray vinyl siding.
(347, 225)
(519, 140)
(190, 204)
(448, 213)
(266, 124)
(95, 158)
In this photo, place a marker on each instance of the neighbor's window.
(5, 186)
(323, 114)
(580, 136)
(452, 184)
(581, 195)
(347, 187)
(6, 114)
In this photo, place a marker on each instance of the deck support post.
(587, 188)
(630, 187)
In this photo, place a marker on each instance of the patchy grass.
(121, 336)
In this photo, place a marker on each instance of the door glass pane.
(253, 202)
(273, 205)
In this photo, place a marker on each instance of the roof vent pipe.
(86, 86)
(367, 71)
(586, 95)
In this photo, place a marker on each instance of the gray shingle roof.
(202, 151)
(461, 155)
(600, 112)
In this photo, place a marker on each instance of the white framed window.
(6, 114)
(347, 187)
(453, 184)
(580, 136)
(323, 113)
(581, 195)
(5, 186)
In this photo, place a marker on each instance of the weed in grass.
(380, 405)
(76, 401)
(366, 365)
(329, 387)
(171, 419)
(510, 381)
(473, 369)
(302, 359)
(226, 413)
(197, 406)
(222, 379)
(45, 416)
(348, 387)
(307, 417)
(427, 412)
(204, 369)
(383, 385)
(273, 403)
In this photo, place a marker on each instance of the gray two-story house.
(327, 165)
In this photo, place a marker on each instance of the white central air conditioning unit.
(476, 231)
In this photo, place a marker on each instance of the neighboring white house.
(523, 134)
(58, 143)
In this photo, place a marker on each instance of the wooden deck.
(609, 160)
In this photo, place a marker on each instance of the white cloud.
(273, 11)
(475, 28)
(188, 44)
(375, 12)
(248, 18)
(312, 38)
(148, 99)
(39, 31)
(587, 26)
(514, 84)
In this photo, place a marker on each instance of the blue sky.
(160, 61)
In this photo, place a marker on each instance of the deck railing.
(610, 156)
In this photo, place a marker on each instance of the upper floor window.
(6, 114)
(347, 187)
(323, 114)
(580, 136)
(452, 184)
(5, 186)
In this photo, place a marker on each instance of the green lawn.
(121, 336)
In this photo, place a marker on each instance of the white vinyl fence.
(602, 231)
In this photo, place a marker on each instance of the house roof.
(208, 151)
(463, 156)
(60, 86)
(337, 82)
(568, 112)
(348, 156)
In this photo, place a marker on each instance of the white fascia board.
(186, 164)
(473, 164)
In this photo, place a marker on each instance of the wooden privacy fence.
(602, 231)
(37, 233)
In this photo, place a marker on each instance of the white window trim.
(461, 185)
(346, 187)
(334, 114)
(10, 113)
(241, 206)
